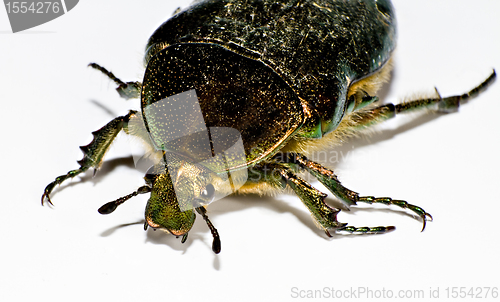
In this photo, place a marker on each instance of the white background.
(449, 165)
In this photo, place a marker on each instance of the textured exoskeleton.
(289, 76)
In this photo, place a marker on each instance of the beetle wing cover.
(231, 91)
(319, 47)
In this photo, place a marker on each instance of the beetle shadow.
(158, 236)
(104, 108)
(107, 167)
(382, 135)
(197, 232)
(111, 230)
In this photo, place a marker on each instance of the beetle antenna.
(216, 243)
(109, 207)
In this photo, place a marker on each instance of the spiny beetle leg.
(93, 153)
(323, 214)
(314, 200)
(328, 178)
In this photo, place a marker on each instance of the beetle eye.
(208, 193)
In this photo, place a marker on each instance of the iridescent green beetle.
(289, 76)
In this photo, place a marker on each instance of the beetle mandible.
(288, 76)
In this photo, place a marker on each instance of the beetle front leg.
(328, 178)
(93, 153)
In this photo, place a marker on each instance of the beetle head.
(179, 187)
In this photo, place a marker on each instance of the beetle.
(278, 79)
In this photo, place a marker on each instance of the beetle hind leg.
(365, 118)
(447, 104)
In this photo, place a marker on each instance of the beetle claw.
(46, 196)
(424, 219)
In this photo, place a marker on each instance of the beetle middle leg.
(94, 152)
(328, 178)
(127, 90)
(281, 175)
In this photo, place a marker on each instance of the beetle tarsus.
(455, 101)
(446, 104)
(48, 189)
(368, 230)
(400, 203)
